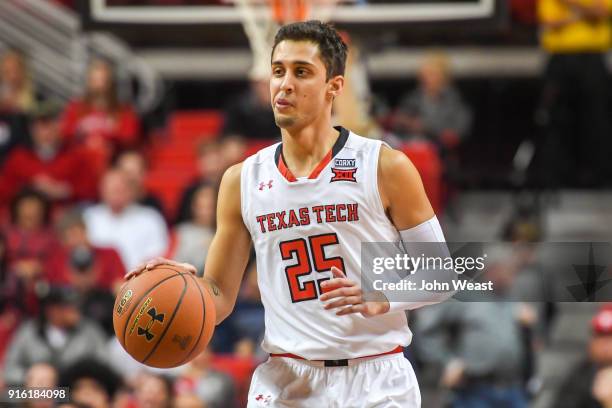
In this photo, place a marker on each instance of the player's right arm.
(229, 250)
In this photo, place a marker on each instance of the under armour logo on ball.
(146, 331)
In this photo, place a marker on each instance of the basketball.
(164, 317)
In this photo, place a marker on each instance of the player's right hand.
(147, 266)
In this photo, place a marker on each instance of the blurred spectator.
(60, 335)
(134, 164)
(130, 369)
(600, 348)
(16, 89)
(3, 270)
(193, 237)
(99, 120)
(8, 315)
(524, 225)
(41, 375)
(588, 385)
(233, 149)
(602, 387)
(250, 115)
(49, 165)
(29, 245)
(154, 391)
(138, 233)
(211, 165)
(94, 272)
(478, 345)
(14, 131)
(188, 401)
(353, 106)
(211, 161)
(211, 386)
(17, 100)
(91, 383)
(241, 333)
(248, 317)
(435, 110)
(574, 107)
(78, 256)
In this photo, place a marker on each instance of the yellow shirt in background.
(581, 36)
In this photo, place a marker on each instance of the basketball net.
(261, 20)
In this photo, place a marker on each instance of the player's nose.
(288, 84)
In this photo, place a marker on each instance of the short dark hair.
(96, 370)
(29, 193)
(331, 47)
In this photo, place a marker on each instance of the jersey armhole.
(376, 193)
(244, 193)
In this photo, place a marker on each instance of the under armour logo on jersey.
(262, 185)
(263, 400)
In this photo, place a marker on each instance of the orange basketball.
(164, 317)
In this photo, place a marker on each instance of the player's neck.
(303, 150)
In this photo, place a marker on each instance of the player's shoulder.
(233, 173)
(394, 167)
(358, 142)
(389, 158)
(392, 159)
(231, 176)
(229, 189)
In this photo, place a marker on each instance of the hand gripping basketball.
(166, 318)
(153, 263)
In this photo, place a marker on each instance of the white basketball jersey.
(300, 229)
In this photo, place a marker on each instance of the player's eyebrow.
(296, 62)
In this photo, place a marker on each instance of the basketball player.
(307, 204)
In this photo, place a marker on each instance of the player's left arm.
(406, 205)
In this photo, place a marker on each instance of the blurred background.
(118, 118)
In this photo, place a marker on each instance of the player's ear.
(335, 86)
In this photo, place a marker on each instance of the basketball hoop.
(290, 11)
(261, 20)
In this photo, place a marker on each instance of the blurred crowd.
(76, 213)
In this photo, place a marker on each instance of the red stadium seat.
(173, 155)
(167, 183)
(196, 124)
(241, 371)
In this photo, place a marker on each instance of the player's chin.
(284, 121)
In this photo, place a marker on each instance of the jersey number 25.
(303, 251)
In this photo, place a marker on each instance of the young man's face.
(298, 86)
